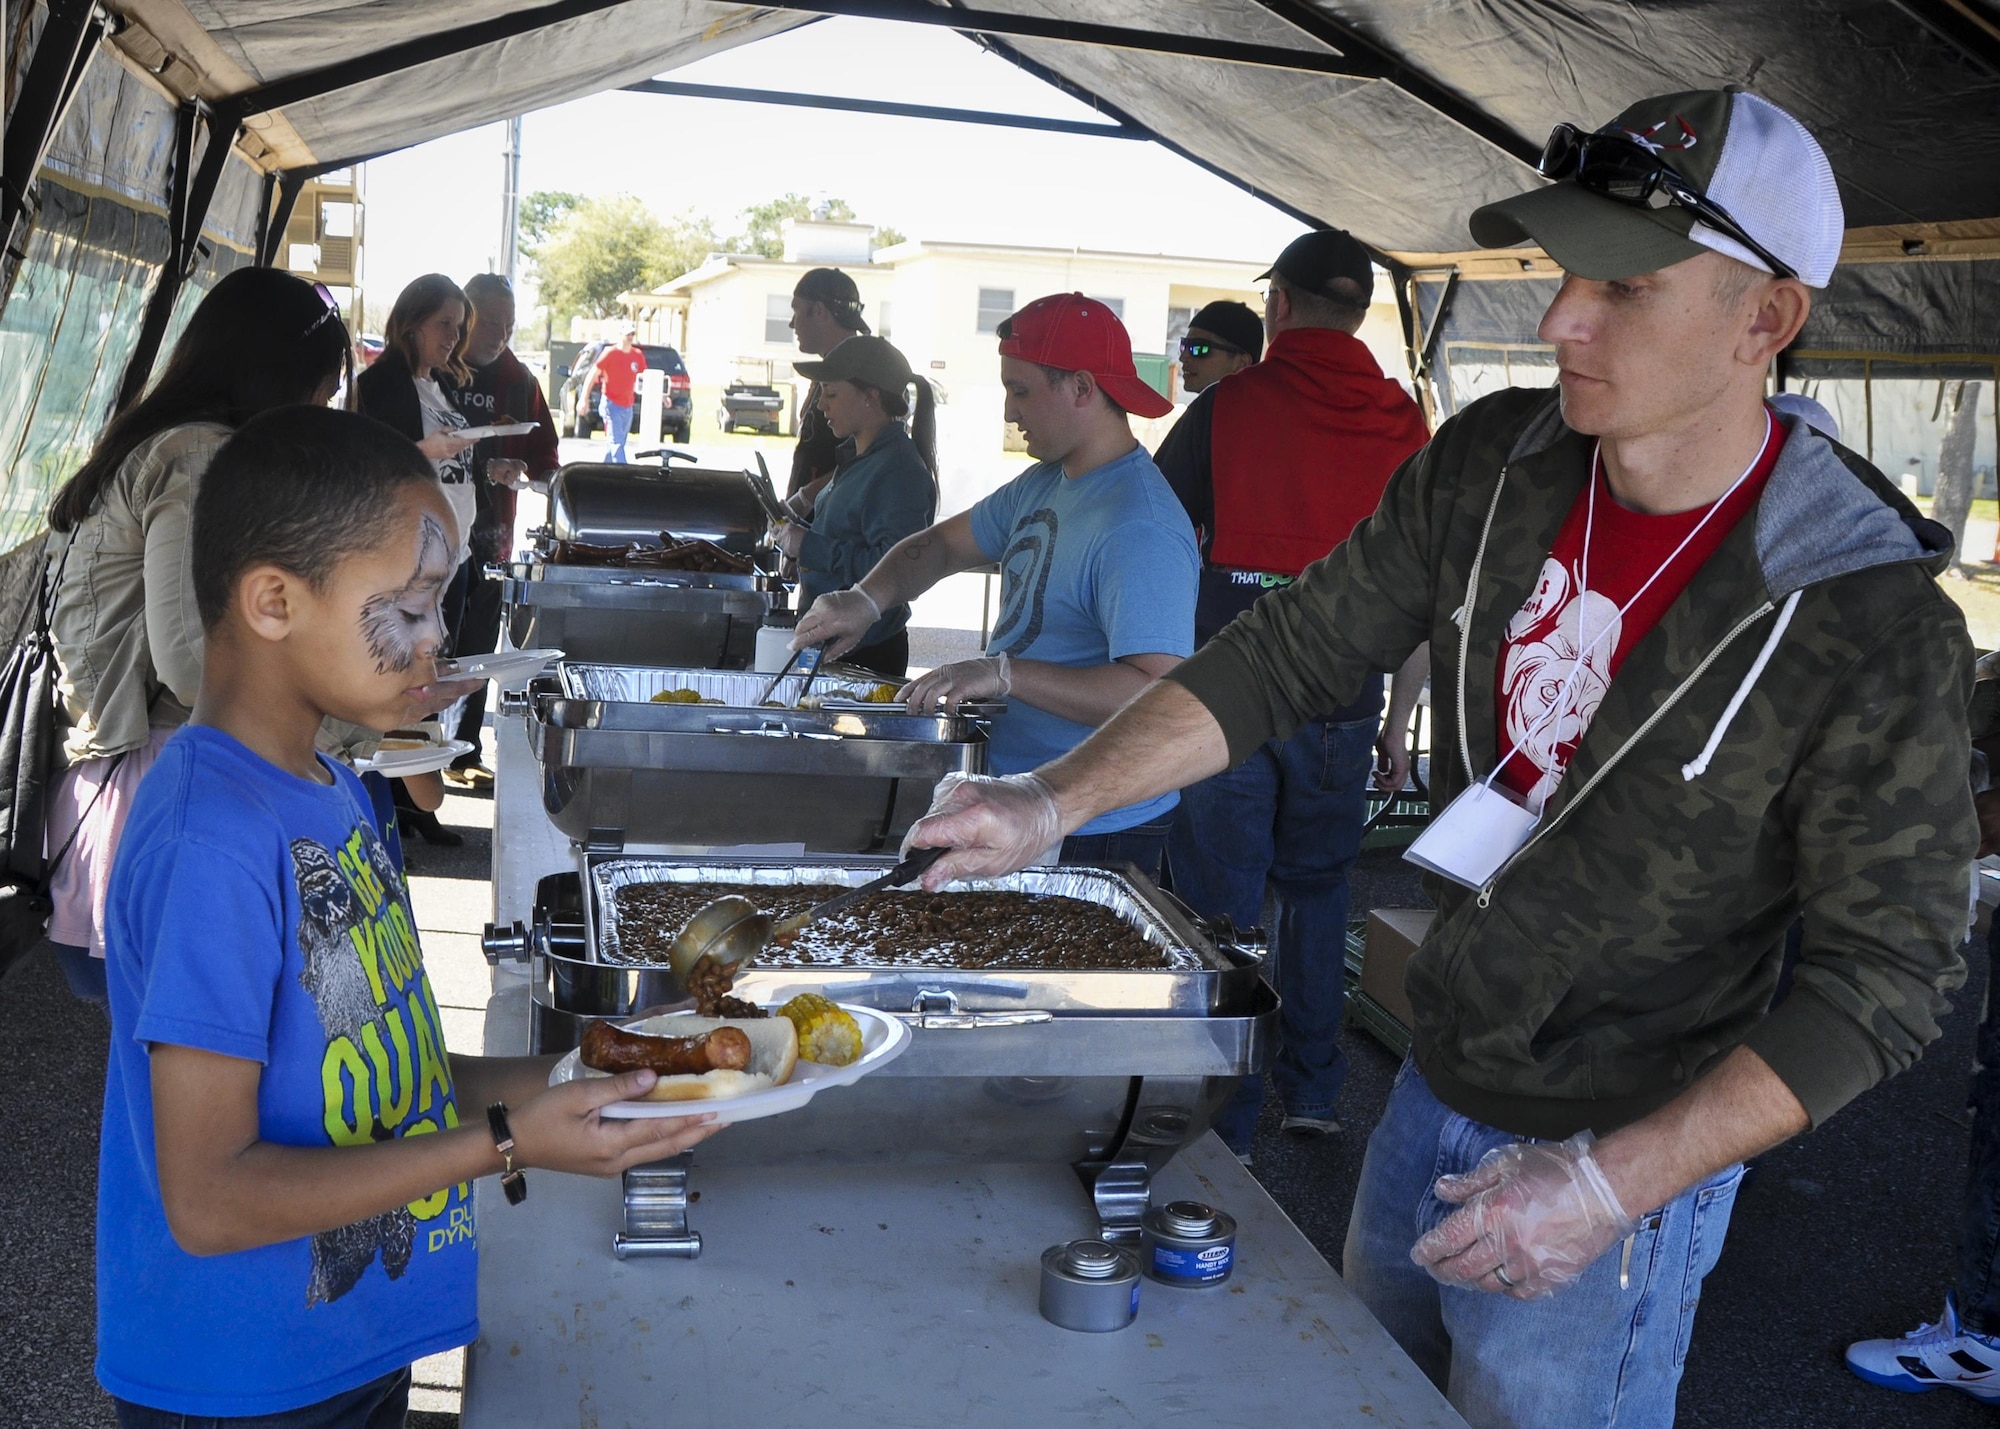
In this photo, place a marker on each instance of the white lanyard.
(1585, 648)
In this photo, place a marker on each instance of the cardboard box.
(1393, 935)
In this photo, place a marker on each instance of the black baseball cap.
(1234, 323)
(838, 291)
(863, 358)
(1312, 261)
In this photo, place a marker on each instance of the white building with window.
(940, 303)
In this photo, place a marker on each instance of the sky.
(437, 207)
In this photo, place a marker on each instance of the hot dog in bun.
(696, 1058)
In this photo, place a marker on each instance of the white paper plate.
(395, 763)
(501, 665)
(883, 1039)
(510, 429)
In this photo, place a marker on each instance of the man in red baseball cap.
(1097, 562)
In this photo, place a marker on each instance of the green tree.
(886, 237)
(608, 246)
(542, 211)
(764, 222)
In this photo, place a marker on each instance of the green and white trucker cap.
(1746, 156)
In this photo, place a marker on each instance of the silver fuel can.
(1187, 1243)
(1089, 1285)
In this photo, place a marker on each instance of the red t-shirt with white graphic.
(619, 372)
(1537, 666)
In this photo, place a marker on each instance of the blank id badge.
(1478, 832)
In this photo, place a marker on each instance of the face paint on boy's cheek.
(393, 639)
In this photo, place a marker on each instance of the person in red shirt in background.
(502, 390)
(1277, 464)
(618, 368)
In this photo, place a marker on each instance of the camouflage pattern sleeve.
(1364, 607)
(1883, 820)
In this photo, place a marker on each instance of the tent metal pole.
(191, 190)
(68, 40)
(290, 184)
(408, 55)
(1103, 106)
(882, 106)
(1040, 27)
(1960, 25)
(1397, 71)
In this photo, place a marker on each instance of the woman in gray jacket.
(885, 491)
(127, 635)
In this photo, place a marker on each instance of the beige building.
(940, 303)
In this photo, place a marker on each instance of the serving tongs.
(786, 669)
(731, 930)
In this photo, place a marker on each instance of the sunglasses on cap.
(1626, 171)
(331, 311)
(1195, 347)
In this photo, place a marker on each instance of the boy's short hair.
(299, 488)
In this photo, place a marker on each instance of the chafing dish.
(1109, 1071)
(619, 769)
(643, 614)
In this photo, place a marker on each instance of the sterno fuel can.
(1189, 1244)
(1089, 1285)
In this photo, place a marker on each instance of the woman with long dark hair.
(888, 491)
(127, 635)
(414, 387)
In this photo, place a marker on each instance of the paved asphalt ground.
(1848, 1232)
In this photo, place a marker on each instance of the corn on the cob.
(828, 1033)
(677, 697)
(881, 695)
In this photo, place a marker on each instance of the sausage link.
(610, 1049)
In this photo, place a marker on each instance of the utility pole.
(510, 203)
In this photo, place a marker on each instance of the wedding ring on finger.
(1500, 1274)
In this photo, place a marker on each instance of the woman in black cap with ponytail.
(826, 311)
(885, 491)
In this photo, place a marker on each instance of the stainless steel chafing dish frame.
(693, 776)
(645, 613)
(1116, 1091)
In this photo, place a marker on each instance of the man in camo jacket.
(1693, 667)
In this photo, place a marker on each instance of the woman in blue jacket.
(885, 491)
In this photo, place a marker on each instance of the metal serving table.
(906, 1296)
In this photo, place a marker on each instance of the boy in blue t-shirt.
(285, 1215)
(1098, 567)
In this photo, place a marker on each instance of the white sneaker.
(1310, 1125)
(1940, 1356)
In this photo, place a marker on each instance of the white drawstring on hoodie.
(1693, 771)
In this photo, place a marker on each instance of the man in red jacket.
(1276, 465)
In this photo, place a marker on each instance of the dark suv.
(680, 401)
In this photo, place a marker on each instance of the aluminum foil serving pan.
(838, 687)
(1193, 974)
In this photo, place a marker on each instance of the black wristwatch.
(513, 1182)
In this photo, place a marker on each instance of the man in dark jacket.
(1699, 682)
(826, 311)
(502, 390)
(1276, 465)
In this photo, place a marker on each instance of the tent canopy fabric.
(1907, 115)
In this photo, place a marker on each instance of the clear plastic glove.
(986, 678)
(800, 504)
(837, 620)
(509, 472)
(788, 536)
(992, 826)
(1531, 1218)
(1392, 761)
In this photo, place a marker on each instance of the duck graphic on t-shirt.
(384, 1071)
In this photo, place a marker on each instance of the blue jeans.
(1597, 1353)
(84, 974)
(619, 420)
(1977, 1294)
(1289, 817)
(1142, 845)
(379, 1404)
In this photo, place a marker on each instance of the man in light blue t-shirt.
(1098, 565)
